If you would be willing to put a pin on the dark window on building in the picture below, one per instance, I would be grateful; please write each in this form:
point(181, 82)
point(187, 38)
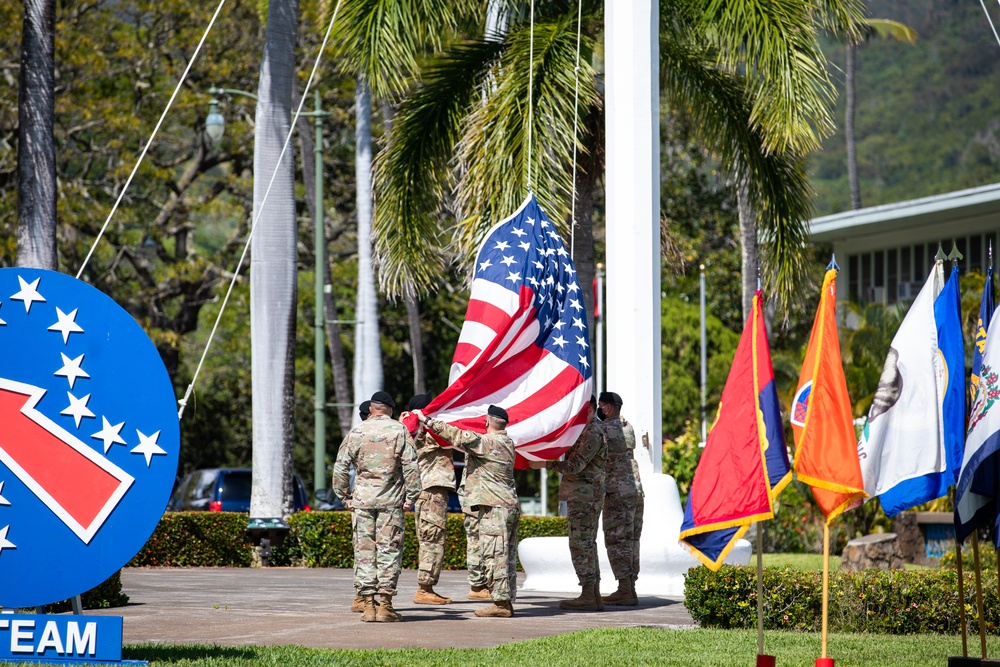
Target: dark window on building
point(866, 275)
point(963, 248)
point(976, 253)
point(919, 272)
point(905, 273)
point(879, 277)
point(852, 272)
point(893, 277)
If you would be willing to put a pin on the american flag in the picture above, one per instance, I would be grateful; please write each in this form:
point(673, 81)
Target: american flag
point(525, 344)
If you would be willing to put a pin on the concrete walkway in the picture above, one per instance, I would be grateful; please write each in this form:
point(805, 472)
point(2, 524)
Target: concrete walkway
point(311, 607)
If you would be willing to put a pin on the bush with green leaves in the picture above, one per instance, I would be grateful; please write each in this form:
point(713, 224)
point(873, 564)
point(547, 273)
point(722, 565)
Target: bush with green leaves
point(103, 596)
point(315, 539)
point(895, 602)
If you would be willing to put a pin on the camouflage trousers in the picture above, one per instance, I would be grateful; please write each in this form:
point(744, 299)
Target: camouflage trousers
point(473, 551)
point(431, 512)
point(498, 540)
point(620, 536)
point(378, 550)
point(640, 506)
point(582, 518)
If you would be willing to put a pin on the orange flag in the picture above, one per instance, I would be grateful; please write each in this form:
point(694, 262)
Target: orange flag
point(826, 452)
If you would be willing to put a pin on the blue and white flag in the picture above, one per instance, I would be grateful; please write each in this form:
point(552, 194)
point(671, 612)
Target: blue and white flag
point(910, 445)
point(975, 494)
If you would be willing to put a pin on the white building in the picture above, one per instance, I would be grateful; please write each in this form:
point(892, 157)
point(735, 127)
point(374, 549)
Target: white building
point(885, 252)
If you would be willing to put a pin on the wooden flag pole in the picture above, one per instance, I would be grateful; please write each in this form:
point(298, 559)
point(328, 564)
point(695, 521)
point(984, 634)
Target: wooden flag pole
point(961, 599)
point(826, 582)
point(979, 592)
point(760, 589)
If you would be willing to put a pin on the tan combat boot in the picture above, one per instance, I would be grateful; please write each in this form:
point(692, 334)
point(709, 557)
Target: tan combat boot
point(479, 593)
point(386, 614)
point(587, 601)
point(369, 613)
point(501, 609)
point(426, 595)
point(624, 596)
point(358, 605)
point(597, 594)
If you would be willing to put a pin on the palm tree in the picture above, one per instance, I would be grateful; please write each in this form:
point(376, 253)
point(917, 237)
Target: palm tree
point(36, 163)
point(751, 76)
point(273, 280)
point(885, 29)
point(379, 42)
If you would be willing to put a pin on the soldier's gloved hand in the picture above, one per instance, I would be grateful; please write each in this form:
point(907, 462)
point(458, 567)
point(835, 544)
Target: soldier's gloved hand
point(538, 465)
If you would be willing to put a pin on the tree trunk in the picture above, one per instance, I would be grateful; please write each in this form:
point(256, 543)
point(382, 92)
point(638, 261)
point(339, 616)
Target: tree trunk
point(273, 286)
point(367, 344)
point(338, 364)
point(416, 343)
point(36, 163)
point(748, 246)
point(852, 149)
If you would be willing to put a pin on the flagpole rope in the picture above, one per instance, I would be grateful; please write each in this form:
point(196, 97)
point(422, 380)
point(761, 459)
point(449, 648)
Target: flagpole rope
point(149, 142)
point(992, 27)
point(531, 82)
point(576, 123)
point(236, 274)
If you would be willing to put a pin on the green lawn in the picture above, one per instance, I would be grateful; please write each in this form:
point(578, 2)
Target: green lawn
point(629, 646)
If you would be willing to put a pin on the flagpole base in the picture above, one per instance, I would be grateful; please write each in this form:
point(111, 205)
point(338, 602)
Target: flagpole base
point(765, 660)
point(959, 661)
point(824, 662)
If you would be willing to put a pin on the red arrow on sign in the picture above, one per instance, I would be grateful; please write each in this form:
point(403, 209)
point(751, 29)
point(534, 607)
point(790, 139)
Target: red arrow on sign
point(78, 484)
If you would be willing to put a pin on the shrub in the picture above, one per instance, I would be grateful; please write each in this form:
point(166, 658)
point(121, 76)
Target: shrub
point(875, 601)
point(315, 539)
point(103, 596)
point(198, 539)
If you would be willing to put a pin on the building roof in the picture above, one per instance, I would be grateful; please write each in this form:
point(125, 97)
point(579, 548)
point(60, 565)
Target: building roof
point(970, 205)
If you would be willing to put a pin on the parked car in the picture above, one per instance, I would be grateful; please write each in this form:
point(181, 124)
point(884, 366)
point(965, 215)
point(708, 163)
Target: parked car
point(224, 490)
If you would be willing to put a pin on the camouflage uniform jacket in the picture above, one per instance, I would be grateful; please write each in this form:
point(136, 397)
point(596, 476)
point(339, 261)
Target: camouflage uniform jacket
point(385, 465)
point(630, 437)
point(584, 467)
point(621, 444)
point(435, 463)
point(489, 467)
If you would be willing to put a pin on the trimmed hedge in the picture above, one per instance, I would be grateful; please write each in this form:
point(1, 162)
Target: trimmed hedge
point(198, 539)
point(895, 602)
point(315, 539)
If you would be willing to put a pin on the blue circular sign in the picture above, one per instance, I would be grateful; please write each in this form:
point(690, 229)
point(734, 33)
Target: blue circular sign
point(89, 437)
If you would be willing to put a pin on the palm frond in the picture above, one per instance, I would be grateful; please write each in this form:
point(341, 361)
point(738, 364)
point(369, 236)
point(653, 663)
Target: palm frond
point(411, 172)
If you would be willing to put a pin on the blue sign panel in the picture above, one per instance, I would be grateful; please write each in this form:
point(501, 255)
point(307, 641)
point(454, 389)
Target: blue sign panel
point(60, 638)
point(89, 437)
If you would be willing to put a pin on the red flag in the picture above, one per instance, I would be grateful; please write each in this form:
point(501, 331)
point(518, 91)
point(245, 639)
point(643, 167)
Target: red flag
point(826, 454)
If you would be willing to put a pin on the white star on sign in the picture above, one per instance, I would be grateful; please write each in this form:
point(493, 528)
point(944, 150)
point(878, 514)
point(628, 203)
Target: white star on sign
point(77, 408)
point(71, 369)
point(581, 342)
point(4, 542)
point(560, 341)
point(485, 265)
point(507, 260)
point(583, 362)
point(66, 324)
point(513, 276)
point(147, 446)
point(3, 501)
point(501, 245)
point(109, 434)
point(1, 321)
point(578, 323)
point(519, 232)
point(28, 294)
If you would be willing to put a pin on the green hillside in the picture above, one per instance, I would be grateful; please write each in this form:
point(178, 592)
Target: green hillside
point(928, 115)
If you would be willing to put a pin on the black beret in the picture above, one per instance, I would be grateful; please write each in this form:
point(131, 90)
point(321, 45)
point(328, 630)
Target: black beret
point(419, 401)
point(384, 398)
point(497, 411)
point(364, 409)
point(610, 397)
point(593, 402)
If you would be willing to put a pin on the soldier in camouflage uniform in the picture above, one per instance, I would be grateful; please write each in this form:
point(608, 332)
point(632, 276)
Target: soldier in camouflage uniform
point(386, 484)
point(582, 487)
point(473, 552)
point(620, 499)
point(437, 479)
point(358, 605)
point(489, 475)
